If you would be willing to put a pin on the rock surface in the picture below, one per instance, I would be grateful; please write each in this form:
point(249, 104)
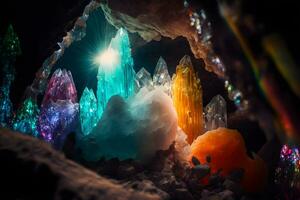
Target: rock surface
point(155, 19)
point(33, 170)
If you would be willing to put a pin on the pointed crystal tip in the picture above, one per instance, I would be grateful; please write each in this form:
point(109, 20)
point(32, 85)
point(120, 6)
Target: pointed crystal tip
point(143, 78)
point(216, 113)
point(186, 61)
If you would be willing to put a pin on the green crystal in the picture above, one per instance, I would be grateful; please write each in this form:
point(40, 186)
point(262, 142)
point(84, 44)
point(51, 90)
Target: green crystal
point(10, 48)
point(88, 111)
point(11, 43)
point(26, 118)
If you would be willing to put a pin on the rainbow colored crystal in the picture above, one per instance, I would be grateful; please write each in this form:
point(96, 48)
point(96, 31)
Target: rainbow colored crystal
point(10, 48)
point(116, 77)
point(59, 110)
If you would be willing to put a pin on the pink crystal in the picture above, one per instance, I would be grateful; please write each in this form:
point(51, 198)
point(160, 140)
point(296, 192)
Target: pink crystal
point(60, 87)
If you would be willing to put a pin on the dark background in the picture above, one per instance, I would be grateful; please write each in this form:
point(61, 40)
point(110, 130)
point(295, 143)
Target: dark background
point(40, 24)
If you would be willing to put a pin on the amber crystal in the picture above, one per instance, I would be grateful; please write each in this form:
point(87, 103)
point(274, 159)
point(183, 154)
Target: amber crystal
point(187, 99)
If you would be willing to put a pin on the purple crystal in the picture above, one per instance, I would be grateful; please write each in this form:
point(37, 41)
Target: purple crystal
point(59, 110)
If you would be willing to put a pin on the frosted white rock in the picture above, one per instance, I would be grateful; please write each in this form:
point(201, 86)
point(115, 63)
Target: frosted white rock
point(135, 129)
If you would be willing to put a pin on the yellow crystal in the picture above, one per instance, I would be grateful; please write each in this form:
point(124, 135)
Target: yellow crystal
point(187, 99)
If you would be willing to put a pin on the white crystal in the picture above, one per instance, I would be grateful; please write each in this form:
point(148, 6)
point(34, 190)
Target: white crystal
point(215, 113)
point(143, 79)
point(161, 76)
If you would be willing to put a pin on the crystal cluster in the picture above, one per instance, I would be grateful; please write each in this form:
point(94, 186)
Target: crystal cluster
point(161, 78)
point(59, 108)
point(116, 76)
point(187, 99)
point(26, 117)
point(287, 174)
point(88, 111)
point(10, 48)
point(215, 113)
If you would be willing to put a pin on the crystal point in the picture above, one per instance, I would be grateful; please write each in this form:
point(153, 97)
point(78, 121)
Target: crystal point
point(215, 113)
point(186, 62)
point(161, 76)
point(187, 99)
point(143, 79)
point(116, 77)
point(88, 111)
point(59, 108)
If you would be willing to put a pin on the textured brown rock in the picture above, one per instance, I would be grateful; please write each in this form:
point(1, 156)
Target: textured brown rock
point(154, 19)
point(33, 170)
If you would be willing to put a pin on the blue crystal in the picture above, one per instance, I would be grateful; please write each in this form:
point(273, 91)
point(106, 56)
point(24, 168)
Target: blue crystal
point(26, 118)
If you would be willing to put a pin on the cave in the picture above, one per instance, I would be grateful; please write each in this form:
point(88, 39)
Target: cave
point(136, 99)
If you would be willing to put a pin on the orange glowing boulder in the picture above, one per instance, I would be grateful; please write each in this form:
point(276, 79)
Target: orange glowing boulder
point(227, 151)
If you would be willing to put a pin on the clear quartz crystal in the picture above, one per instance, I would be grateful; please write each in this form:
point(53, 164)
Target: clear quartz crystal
point(143, 79)
point(215, 113)
point(161, 76)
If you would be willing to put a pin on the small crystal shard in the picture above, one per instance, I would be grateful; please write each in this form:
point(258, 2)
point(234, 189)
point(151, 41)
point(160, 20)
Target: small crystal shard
point(26, 118)
point(59, 108)
point(215, 113)
point(143, 79)
point(88, 111)
point(187, 99)
point(161, 76)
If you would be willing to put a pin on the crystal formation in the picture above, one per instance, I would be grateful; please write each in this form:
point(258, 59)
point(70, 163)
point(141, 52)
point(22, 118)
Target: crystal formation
point(59, 108)
point(116, 77)
point(88, 111)
point(10, 48)
point(215, 113)
point(26, 118)
point(143, 79)
point(161, 77)
point(187, 99)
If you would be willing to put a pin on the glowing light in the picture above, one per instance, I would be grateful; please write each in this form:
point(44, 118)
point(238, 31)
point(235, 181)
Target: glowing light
point(110, 58)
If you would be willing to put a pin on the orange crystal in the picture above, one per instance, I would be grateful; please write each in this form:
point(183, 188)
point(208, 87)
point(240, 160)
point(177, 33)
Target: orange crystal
point(187, 99)
point(227, 150)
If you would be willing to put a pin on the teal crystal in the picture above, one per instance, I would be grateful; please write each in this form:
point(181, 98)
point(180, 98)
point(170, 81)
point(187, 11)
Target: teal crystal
point(88, 111)
point(25, 120)
point(115, 74)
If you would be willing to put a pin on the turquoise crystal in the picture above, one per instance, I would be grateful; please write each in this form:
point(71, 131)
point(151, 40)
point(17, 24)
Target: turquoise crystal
point(25, 120)
point(116, 77)
point(88, 111)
